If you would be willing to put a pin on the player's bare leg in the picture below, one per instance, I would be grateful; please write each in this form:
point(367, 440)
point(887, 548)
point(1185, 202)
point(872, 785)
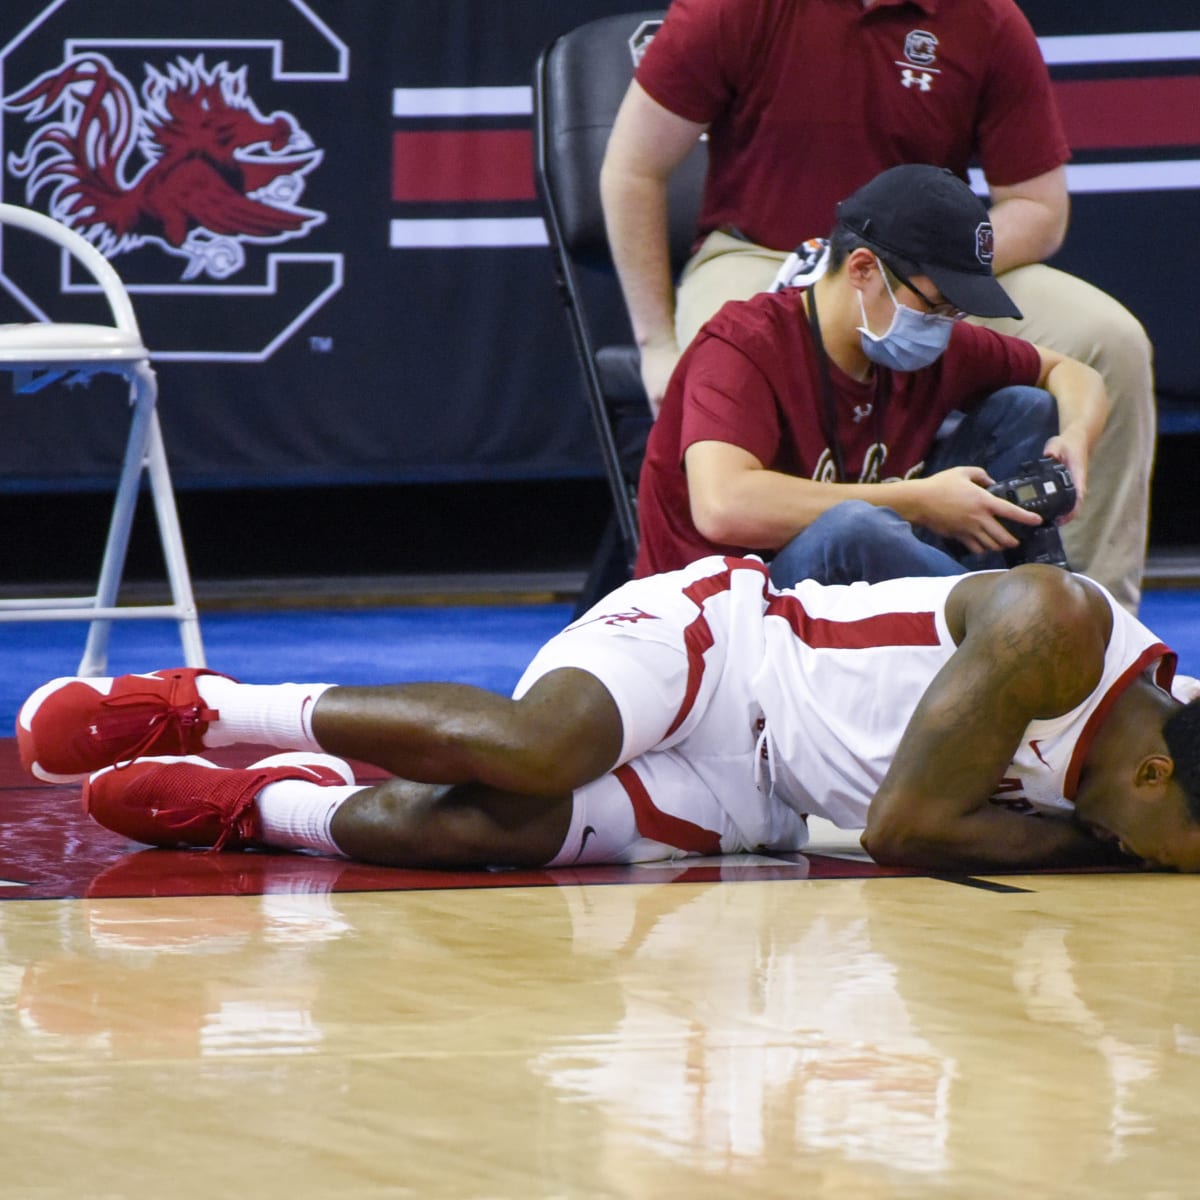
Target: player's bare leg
point(511, 767)
point(405, 824)
point(485, 780)
point(564, 732)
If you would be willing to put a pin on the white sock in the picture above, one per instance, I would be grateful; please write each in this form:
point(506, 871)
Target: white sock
point(296, 814)
point(274, 714)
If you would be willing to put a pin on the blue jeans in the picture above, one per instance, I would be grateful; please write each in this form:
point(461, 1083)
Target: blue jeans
point(855, 540)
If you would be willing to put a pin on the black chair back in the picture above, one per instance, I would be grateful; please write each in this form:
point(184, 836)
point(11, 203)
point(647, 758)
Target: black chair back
point(579, 82)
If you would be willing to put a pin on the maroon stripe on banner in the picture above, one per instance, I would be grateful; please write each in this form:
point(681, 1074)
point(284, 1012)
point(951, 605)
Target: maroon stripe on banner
point(659, 826)
point(1112, 113)
point(883, 629)
point(463, 164)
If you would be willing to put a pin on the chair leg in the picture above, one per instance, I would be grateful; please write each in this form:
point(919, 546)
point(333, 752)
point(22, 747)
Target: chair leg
point(95, 652)
point(144, 451)
point(171, 539)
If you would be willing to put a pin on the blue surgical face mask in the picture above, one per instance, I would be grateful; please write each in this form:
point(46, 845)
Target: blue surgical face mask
point(913, 340)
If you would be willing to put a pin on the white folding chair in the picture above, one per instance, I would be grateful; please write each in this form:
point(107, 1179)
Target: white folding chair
point(39, 354)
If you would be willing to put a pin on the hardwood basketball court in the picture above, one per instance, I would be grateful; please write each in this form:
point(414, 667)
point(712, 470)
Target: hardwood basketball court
point(194, 1025)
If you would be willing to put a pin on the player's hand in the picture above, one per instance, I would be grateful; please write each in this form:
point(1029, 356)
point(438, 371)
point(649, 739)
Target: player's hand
point(658, 362)
point(1074, 457)
point(957, 504)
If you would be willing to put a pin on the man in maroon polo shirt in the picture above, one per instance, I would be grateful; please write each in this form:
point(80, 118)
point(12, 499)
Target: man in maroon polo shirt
point(802, 102)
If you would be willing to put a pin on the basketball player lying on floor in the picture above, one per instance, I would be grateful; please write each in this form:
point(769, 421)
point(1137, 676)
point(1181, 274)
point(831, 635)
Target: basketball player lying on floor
point(1012, 718)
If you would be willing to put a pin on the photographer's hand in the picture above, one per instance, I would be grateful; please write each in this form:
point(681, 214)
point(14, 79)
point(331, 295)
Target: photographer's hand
point(955, 503)
point(1082, 411)
point(1072, 452)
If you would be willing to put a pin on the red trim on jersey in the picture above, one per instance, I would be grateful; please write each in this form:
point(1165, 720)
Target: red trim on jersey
point(1164, 673)
point(882, 629)
point(659, 826)
point(1101, 711)
point(698, 636)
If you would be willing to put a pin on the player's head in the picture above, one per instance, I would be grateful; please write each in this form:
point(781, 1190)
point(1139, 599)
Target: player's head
point(1181, 732)
point(1151, 802)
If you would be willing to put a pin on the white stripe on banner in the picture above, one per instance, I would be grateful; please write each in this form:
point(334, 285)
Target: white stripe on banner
point(1134, 177)
point(472, 231)
point(1180, 45)
point(462, 102)
point(1120, 177)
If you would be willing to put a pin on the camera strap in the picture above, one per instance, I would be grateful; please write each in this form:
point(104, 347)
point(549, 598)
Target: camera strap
point(829, 417)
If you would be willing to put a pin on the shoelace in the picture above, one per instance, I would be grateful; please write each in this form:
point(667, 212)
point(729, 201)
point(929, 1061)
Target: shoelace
point(231, 819)
point(231, 816)
point(114, 726)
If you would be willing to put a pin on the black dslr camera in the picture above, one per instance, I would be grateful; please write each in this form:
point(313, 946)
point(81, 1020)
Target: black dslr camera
point(1044, 487)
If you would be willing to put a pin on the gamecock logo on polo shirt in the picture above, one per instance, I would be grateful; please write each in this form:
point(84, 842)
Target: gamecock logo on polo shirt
point(920, 48)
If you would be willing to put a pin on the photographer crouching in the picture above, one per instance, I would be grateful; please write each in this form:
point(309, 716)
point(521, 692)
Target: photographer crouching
point(807, 424)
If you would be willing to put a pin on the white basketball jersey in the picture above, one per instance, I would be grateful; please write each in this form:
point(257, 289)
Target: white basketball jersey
point(845, 666)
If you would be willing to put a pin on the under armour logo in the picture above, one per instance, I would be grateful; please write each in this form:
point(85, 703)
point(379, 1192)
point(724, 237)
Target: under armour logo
point(862, 412)
point(922, 80)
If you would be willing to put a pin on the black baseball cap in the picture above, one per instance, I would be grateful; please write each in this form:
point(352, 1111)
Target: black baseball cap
point(931, 218)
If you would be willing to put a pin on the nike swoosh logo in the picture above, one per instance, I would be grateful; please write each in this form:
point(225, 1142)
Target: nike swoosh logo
point(588, 830)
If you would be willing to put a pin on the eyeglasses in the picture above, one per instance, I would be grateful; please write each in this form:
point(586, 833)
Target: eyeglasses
point(942, 309)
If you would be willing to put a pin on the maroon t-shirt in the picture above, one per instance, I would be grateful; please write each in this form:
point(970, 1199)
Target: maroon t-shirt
point(806, 100)
point(752, 378)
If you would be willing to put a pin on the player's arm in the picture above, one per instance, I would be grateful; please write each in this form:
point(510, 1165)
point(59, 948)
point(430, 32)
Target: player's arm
point(1032, 646)
point(1083, 408)
point(647, 143)
point(736, 501)
point(1030, 219)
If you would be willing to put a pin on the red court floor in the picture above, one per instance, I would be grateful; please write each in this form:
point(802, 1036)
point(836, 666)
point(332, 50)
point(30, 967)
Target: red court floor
point(50, 850)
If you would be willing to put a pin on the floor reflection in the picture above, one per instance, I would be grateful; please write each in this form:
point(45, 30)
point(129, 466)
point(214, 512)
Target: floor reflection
point(906, 1036)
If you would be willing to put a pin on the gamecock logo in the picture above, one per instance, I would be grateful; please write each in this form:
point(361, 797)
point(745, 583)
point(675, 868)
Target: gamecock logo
point(193, 167)
point(985, 243)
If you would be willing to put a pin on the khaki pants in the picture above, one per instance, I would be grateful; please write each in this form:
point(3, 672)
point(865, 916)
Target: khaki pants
point(1108, 540)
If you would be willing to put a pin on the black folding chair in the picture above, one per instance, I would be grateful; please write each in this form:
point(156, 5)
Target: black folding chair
point(579, 82)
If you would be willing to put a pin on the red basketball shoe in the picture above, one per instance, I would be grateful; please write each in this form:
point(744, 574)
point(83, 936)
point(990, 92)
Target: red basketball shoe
point(71, 727)
point(193, 802)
